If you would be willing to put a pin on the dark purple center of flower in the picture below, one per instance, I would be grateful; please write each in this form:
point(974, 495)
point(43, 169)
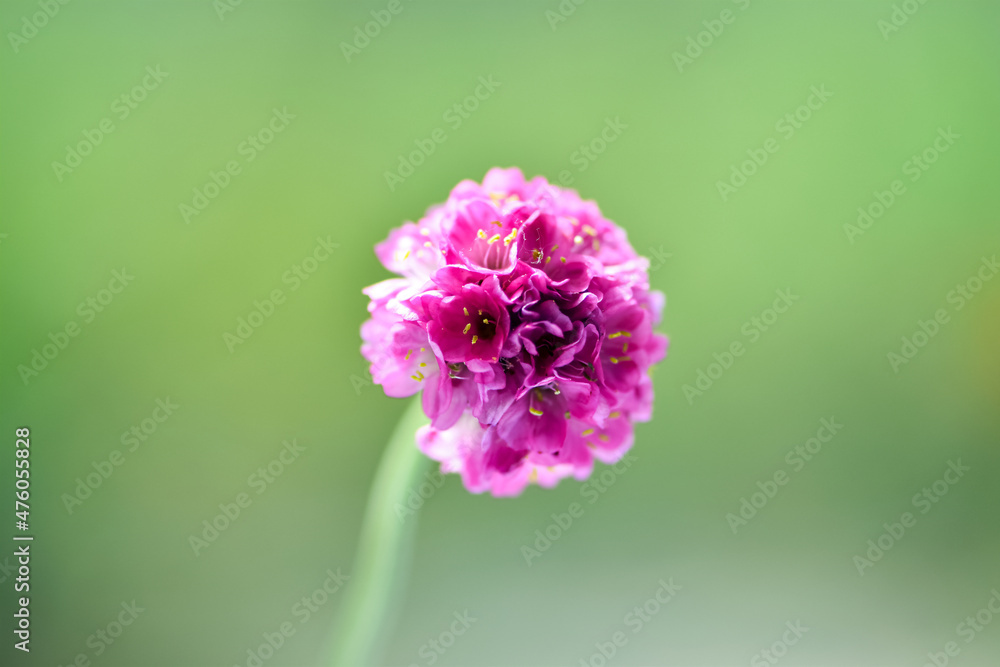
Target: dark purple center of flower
point(479, 325)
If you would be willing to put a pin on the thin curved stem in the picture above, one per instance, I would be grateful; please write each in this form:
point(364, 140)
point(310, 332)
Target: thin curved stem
point(385, 548)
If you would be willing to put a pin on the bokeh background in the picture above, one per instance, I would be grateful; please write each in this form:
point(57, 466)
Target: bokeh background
point(300, 375)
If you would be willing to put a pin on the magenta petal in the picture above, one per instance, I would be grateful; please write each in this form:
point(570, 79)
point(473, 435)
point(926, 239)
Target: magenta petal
point(535, 422)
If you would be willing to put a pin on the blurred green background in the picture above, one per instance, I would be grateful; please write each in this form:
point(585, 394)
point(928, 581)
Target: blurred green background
point(63, 232)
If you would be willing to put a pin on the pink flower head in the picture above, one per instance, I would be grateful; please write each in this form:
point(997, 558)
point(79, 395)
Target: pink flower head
point(527, 320)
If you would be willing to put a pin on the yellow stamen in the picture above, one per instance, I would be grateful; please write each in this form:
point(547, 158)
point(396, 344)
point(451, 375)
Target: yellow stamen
point(603, 438)
point(465, 310)
point(587, 229)
point(474, 339)
point(615, 360)
point(408, 352)
point(494, 239)
point(481, 233)
point(614, 414)
point(620, 333)
point(425, 232)
point(562, 259)
point(510, 237)
point(467, 327)
point(536, 412)
point(567, 414)
point(625, 346)
point(536, 256)
point(577, 239)
point(497, 223)
point(548, 259)
point(555, 247)
point(587, 432)
point(485, 321)
point(418, 377)
point(423, 365)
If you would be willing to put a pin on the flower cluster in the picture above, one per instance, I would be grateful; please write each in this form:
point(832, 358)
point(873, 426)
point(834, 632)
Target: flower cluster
point(526, 318)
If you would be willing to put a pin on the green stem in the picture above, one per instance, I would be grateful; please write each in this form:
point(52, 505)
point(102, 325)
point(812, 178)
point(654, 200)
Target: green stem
point(385, 547)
